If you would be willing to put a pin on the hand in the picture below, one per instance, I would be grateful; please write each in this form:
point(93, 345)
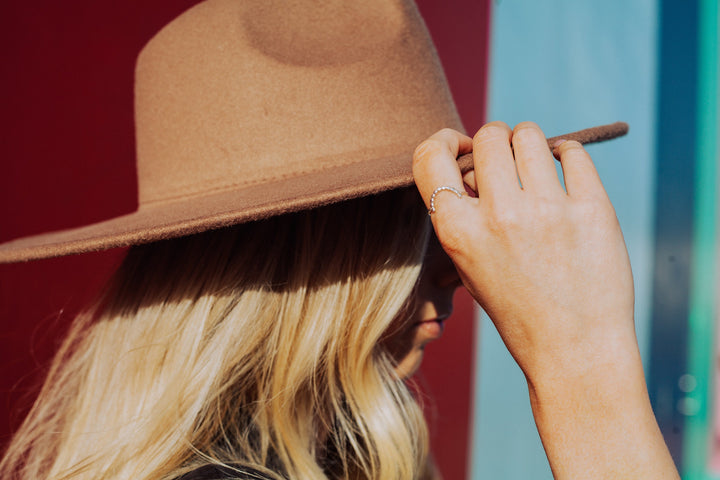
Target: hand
point(550, 268)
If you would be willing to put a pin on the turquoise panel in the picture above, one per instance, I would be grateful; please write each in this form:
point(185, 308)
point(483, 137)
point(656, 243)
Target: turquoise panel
point(700, 405)
point(569, 65)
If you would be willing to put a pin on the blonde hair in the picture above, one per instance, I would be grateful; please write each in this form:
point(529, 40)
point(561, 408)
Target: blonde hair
point(259, 345)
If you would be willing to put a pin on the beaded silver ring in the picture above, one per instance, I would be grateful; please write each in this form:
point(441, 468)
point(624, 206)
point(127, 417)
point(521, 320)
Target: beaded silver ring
point(438, 190)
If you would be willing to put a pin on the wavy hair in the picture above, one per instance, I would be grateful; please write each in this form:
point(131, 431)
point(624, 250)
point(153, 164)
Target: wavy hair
point(259, 345)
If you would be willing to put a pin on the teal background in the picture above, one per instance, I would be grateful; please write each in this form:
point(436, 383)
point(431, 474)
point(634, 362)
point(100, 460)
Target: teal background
point(568, 65)
point(655, 64)
point(702, 338)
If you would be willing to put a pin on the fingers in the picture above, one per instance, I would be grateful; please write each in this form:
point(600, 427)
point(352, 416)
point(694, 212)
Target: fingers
point(435, 163)
point(498, 165)
point(581, 177)
point(495, 173)
point(535, 164)
point(469, 180)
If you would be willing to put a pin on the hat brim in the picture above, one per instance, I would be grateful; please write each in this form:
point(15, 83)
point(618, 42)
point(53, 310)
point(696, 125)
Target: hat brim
point(198, 214)
point(190, 215)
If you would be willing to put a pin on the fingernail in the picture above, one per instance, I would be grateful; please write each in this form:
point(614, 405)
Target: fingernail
point(558, 142)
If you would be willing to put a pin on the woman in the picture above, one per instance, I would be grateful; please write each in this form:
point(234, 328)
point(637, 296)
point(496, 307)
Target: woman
point(284, 282)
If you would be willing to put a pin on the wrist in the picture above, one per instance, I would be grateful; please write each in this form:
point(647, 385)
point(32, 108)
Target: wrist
point(603, 357)
point(596, 416)
point(604, 383)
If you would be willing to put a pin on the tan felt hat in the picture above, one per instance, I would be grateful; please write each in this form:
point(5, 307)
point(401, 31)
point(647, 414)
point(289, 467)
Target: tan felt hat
point(254, 108)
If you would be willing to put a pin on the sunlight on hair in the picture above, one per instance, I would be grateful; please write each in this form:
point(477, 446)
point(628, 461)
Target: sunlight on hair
point(257, 345)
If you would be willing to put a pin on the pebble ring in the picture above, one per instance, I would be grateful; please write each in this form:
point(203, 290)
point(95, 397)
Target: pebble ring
point(438, 190)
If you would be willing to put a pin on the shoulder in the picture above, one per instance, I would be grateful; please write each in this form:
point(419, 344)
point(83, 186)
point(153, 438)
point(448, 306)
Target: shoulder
point(221, 472)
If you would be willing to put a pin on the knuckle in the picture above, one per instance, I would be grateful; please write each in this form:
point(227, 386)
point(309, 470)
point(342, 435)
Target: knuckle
point(527, 131)
point(427, 149)
point(548, 211)
point(492, 131)
point(526, 125)
point(570, 146)
point(503, 220)
point(542, 214)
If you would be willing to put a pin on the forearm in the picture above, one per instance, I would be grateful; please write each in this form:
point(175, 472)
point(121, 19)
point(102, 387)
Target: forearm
point(596, 422)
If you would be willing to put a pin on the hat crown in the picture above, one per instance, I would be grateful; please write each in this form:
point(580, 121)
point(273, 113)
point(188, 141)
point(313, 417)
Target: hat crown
point(246, 109)
point(233, 94)
point(321, 32)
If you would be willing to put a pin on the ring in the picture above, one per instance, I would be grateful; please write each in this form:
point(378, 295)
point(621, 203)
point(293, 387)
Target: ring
point(438, 190)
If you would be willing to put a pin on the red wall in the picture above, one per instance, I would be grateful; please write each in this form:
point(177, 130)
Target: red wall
point(460, 29)
point(66, 133)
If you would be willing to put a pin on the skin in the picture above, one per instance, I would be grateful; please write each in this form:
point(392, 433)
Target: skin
point(431, 305)
point(551, 269)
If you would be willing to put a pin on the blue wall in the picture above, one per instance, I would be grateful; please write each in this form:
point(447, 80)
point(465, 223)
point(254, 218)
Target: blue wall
point(569, 65)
